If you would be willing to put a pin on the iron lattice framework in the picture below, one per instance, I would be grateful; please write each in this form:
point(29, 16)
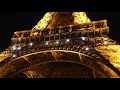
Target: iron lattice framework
point(62, 44)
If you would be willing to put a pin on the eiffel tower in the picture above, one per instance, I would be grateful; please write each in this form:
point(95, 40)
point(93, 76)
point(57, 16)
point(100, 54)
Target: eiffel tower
point(62, 45)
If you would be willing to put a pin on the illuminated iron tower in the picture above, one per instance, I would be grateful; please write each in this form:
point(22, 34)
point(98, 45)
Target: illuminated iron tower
point(62, 45)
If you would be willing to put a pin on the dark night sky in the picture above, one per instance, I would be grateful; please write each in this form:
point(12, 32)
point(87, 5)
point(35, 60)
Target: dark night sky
point(15, 21)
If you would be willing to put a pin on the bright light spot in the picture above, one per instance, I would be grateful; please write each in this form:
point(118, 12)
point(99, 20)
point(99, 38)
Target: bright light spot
point(19, 48)
point(83, 38)
point(76, 13)
point(68, 40)
point(46, 43)
point(31, 43)
point(86, 48)
point(14, 47)
point(35, 33)
point(57, 42)
point(14, 56)
point(105, 42)
point(79, 18)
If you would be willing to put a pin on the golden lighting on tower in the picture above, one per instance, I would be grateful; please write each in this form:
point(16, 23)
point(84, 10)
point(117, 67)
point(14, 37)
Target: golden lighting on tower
point(44, 21)
point(79, 17)
point(112, 53)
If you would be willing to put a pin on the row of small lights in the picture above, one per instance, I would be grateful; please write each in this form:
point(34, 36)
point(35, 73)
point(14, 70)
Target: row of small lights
point(57, 42)
point(31, 43)
point(15, 48)
point(67, 40)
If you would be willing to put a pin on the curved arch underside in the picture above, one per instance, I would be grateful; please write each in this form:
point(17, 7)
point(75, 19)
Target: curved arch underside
point(20, 75)
point(63, 70)
point(57, 63)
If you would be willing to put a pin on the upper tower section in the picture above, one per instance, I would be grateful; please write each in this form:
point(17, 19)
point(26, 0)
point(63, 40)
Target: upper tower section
point(63, 22)
point(54, 19)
